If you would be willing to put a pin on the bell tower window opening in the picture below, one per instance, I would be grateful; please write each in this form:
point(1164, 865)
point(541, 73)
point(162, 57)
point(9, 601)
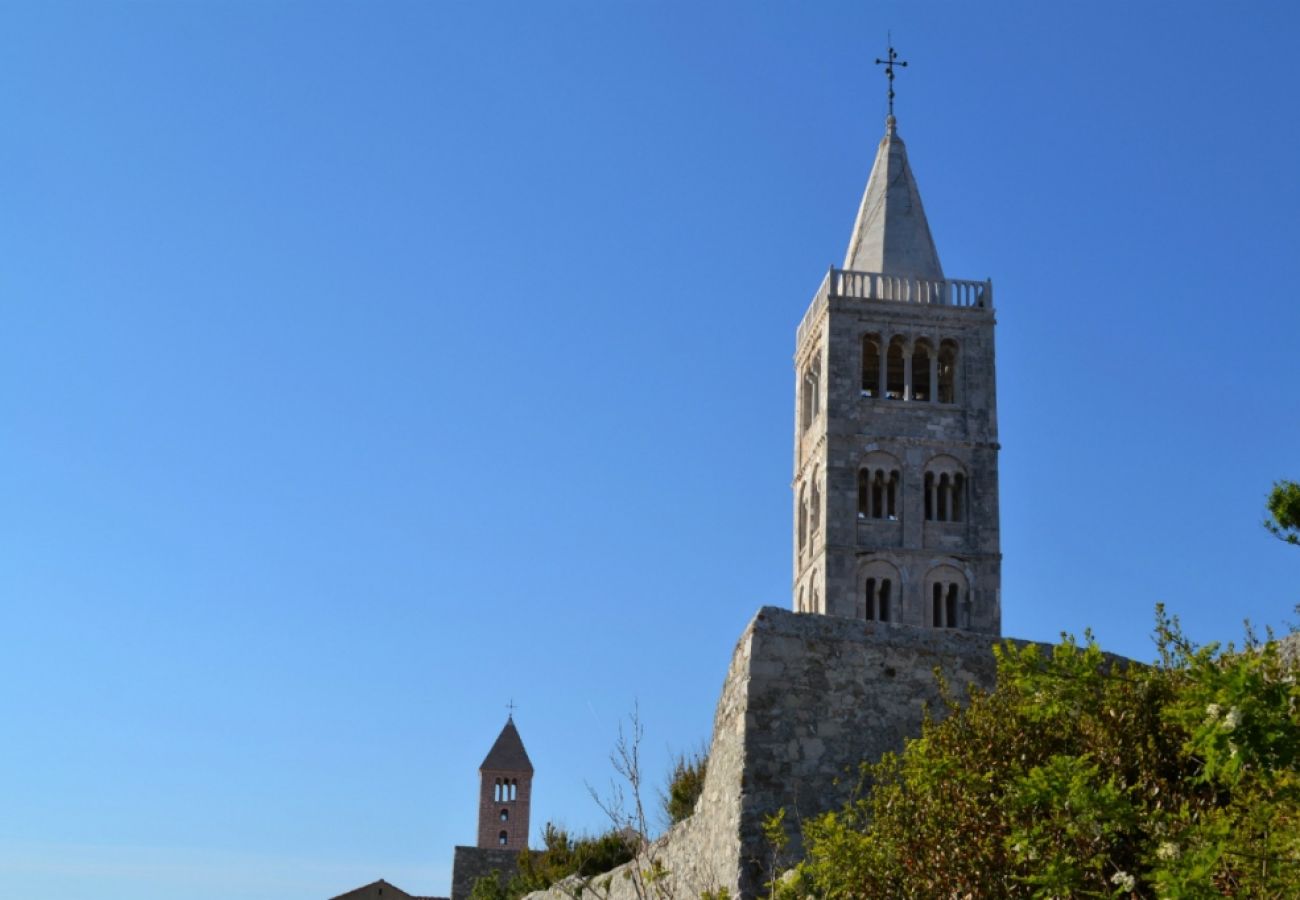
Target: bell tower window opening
point(895, 374)
point(505, 815)
point(502, 838)
point(947, 591)
point(877, 580)
point(878, 494)
point(810, 401)
point(815, 507)
point(945, 491)
point(803, 518)
point(948, 372)
point(922, 359)
point(871, 365)
point(877, 599)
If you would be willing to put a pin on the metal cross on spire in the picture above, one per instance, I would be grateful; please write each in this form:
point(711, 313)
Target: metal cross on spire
point(511, 706)
point(889, 64)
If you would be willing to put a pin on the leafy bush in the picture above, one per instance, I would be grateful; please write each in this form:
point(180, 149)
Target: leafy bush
point(685, 783)
point(1079, 777)
point(561, 856)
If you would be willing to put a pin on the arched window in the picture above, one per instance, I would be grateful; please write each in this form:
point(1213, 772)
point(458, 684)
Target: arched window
point(945, 490)
point(880, 488)
point(802, 513)
point(514, 788)
point(496, 790)
point(947, 372)
point(810, 400)
point(895, 380)
point(922, 378)
point(799, 604)
point(947, 591)
point(871, 365)
point(502, 838)
point(505, 815)
point(877, 599)
point(815, 505)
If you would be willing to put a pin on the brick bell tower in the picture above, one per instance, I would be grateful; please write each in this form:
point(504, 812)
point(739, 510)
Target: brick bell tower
point(896, 444)
point(506, 784)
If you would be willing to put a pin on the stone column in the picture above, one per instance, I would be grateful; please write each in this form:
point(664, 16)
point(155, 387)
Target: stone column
point(907, 370)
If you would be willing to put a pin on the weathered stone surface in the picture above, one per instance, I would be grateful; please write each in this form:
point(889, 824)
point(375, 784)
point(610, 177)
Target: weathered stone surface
point(895, 375)
point(469, 864)
point(806, 700)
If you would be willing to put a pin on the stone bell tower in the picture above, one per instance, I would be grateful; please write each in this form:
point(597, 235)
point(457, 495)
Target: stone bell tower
point(505, 789)
point(896, 443)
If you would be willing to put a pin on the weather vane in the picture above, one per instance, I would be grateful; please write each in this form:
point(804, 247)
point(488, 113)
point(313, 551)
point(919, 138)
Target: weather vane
point(889, 71)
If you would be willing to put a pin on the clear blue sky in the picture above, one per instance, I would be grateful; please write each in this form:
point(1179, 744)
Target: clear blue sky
point(366, 365)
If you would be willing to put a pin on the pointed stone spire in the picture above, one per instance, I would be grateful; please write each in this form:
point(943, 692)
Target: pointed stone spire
point(891, 234)
point(508, 753)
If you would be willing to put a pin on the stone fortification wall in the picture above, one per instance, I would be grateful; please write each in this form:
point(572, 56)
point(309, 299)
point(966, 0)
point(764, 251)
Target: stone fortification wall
point(469, 864)
point(806, 699)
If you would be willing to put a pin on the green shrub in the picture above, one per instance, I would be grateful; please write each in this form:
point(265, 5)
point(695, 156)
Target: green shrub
point(1078, 777)
point(561, 855)
point(685, 783)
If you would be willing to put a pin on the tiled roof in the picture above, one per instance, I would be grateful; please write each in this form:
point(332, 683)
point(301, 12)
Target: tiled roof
point(508, 753)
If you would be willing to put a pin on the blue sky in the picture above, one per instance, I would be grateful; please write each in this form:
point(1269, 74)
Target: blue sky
point(366, 366)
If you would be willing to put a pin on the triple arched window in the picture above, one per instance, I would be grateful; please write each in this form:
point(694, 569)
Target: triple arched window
point(505, 789)
point(880, 492)
point(945, 490)
point(899, 369)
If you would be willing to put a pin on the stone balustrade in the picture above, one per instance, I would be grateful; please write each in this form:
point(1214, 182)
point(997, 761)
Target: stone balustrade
point(896, 288)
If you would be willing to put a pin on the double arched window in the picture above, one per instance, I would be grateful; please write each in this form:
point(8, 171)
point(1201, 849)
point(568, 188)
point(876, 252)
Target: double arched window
point(946, 591)
point(878, 597)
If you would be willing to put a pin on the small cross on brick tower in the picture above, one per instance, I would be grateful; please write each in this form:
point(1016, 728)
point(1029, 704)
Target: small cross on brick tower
point(506, 786)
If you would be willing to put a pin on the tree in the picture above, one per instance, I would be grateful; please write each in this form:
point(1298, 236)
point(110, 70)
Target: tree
point(1284, 511)
point(1082, 776)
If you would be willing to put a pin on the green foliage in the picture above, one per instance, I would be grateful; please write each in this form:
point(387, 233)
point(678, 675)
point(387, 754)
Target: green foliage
point(685, 784)
point(561, 856)
point(1284, 511)
point(1078, 777)
point(489, 887)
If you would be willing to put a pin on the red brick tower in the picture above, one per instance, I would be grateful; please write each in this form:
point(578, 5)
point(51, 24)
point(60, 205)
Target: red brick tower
point(503, 800)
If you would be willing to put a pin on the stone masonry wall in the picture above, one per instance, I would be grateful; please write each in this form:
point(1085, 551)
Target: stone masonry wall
point(806, 699)
point(469, 864)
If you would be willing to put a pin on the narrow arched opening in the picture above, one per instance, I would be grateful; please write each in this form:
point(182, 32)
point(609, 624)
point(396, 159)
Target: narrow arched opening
point(922, 357)
point(947, 372)
point(871, 365)
point(895, 370)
